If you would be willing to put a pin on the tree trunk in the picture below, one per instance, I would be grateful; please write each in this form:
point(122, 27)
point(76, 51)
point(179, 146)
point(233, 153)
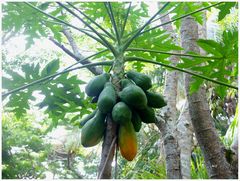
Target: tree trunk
point(185, 140)
point(108, 147)
point(169, 115)
point(201, 119)
point(184, 125)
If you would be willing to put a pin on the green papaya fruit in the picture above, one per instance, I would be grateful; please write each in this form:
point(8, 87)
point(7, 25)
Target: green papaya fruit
point(92, 132)
point(125, 82)
point(96, 85)
point(147, 115)
point(107, 98)
point(127, 141)
point(136, 121)
point(155, 100)
point(140, 79)
point(86, 118)
point(121, 113)
point(134, 96)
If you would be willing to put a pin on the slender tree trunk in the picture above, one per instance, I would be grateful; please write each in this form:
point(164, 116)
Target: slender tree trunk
point(108, 147)
point(169, 115)
point(185, 140)
point(184, 125)
point(201, 119)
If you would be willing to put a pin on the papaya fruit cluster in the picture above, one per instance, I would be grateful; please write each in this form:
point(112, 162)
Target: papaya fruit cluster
point(130, 107)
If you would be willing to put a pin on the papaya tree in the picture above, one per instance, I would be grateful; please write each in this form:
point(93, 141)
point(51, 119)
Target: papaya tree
point(125, 35)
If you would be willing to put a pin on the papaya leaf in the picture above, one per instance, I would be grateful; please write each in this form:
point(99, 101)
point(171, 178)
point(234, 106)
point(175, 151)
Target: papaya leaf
point(61, 95)
point(50, 68)
point(211, 47)
point(222, 69)
point(225, 9)
point(155, 39)
point(183, 7)
point(20, 18)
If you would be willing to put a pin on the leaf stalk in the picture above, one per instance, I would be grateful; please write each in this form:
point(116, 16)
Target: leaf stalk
point(127, 59)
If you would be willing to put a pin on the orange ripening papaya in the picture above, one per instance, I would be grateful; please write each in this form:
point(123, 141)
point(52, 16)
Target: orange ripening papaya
point(127, 141)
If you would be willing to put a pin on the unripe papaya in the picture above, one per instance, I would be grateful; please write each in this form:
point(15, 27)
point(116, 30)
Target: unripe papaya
point(127, 141)
point(107, 99)
point(92, 132)
point(133, 96)
point(140, 79)
point(96, 85)
point(86, 118)
point(136, 121)
point(121, 113)
point(155, 100)
point(147, 115)
point(125, 82)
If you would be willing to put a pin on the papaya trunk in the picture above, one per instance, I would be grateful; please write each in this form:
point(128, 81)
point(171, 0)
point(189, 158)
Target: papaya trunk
point(105, 168)
point(201, 119)
point(108, 147)
point(169, 113)
point(185, 140)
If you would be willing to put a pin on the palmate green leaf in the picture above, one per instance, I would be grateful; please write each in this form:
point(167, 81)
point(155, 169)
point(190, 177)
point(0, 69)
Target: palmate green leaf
point(20, 18)
point(61, 95)
point(156, 40)
point(97, 11)
point(211, 47)
point(19, 102)
point(223, 69)
point(182, 8)
point(225, 9)
point(50, 68)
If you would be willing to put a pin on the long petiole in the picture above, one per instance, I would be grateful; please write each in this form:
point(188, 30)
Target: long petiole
point(181, 17)
point(99, 26)
point(140, 29)
point(109, 63)
point(181, 70)
point(126, 18)
point(65, 23)
point(82, 29)
point(114, 23)
point(102, 38)
point(168, 53)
